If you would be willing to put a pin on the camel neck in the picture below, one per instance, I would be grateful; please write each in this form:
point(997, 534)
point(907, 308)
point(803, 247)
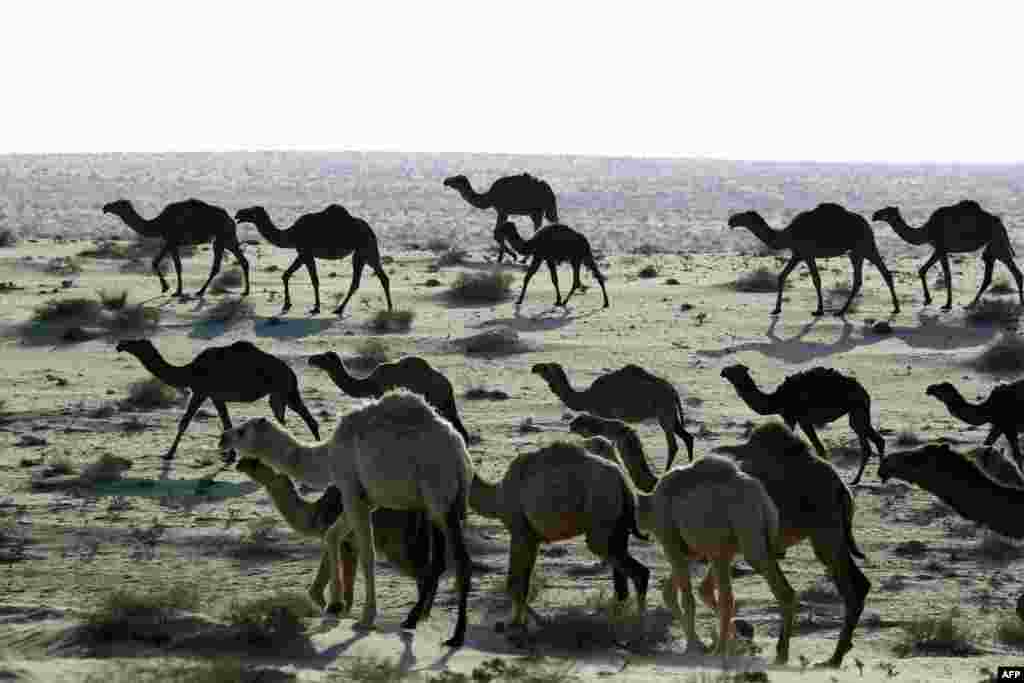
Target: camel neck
point(758, 401)
point(962, 410)
point(516, 241)
point(574, 400)
point(775, 239)
point(301, 462)
point(477, 200)
point(906, 232)
point(632, 454)
point(266, 228)
point(485, 498)
point(137, 223)
point(645, 511)
point(976, 497)
point(354, 386)
point(177, 376)
point(298, 514)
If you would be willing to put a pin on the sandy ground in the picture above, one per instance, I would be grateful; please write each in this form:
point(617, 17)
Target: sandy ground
point(79, 544)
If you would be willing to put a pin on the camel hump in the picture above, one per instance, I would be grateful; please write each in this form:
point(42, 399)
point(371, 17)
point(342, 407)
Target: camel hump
point(714, 469)
point(817, 378)
point(968, 206)
point(336, 212)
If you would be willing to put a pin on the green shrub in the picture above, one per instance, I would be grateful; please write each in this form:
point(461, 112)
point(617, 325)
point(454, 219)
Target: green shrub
point(274, 618)
point(486, 287)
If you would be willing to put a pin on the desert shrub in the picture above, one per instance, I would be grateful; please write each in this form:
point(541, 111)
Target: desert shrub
point(149, 394)
point(500, 339)
point(63, 265)
point(192, 670)
point(8, 238)
point(496, 670)
point(64, 310)
point(994, 312)
point(487, 287)
point(485, 394)
point(646, 249)
point(276, 617)
point(124, 612)
point(226, 281)
point(369, 354)
point(1001, 286)
point(113, 301)
point(135, 318)
point(647, 272)
point(1011, 630)
point(392, 321)
point(370, 670)
point(760, 280)
point(948, 635)
point(451, 257)
point(908, 438)
point(1003, 356)
point(439, 244)
point(228, 311)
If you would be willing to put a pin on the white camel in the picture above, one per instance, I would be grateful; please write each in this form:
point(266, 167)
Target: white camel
point(394, 452)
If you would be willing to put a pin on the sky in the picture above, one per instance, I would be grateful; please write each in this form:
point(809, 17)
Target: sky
point(897, 80)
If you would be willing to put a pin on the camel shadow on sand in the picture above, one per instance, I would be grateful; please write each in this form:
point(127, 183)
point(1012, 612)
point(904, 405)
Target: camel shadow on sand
point(291, 328)
point(207, 489)
point(552, 318)
point(931, 332)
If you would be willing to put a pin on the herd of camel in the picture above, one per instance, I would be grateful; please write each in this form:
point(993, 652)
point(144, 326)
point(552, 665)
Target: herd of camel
point(399, 478)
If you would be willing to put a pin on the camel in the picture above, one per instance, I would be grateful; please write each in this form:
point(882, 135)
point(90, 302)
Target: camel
point(402, 537)
point(411, 372)
point(554, 244)
point(823, 232)
point(181, 223)
point(514, 195)
point(1001, 409)
point(332, 234)
point(958, 228)
point(961, 484)
point(556, 493)
point(239, 373)
point(820, 509)
point(630, 394)
point(393, 452)
point(813, 397)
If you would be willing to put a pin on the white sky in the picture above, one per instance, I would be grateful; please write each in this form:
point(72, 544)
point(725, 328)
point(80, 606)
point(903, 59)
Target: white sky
point(896, 80)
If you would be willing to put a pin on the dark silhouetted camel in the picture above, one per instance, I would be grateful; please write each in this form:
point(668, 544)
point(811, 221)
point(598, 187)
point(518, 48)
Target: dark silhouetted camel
point(1002, 409)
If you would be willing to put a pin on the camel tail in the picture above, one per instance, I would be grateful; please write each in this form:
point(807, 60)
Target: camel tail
point(848, 524)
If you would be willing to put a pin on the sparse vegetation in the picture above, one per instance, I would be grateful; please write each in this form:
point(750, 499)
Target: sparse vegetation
point(59, 466)
point(228, 311)
point(487, 287)
point(113, 301)
point(1004, 356)
point(948, 635)
point(8, 238)
point(385, 321)
point(451, 257)
point(1002, 312)
point(485, 394)
point(1010, 630)
point(532, 670)
point(63, 265)
point(149, 394)
point(760, 280)
point(500, 339)
point(647, 272)
point(193, 670)
point(226, 281)
point(130, 613)
point(370, 670)
point(369, 354)
point(82, 318)
point(907, 438)
point(66, 310)
point(273, 618)
point(1001, 286)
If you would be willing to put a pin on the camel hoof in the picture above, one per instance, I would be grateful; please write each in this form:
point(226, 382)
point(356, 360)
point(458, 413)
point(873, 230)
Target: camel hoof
point(314, 311)
point(167, 456)
point(828, 664)
point(362, 626)
point(229, 457)
point(777, 311)
point(453, 642)
point(818, 313)
point(334, 609)
point(410, 623)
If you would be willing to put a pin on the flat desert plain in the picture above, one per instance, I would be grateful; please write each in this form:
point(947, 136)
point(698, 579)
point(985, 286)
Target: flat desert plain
point(206, 531)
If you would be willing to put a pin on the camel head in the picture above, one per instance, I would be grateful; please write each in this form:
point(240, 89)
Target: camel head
point(253, 214)
point(118, 207)
point(245, 437)
point(457, 182)
point(552, 373)
point(326, 361)
point(506, 231)
point(745, 219)
point(944, 391)
point(889, 214)
point(737, 374)
point(135, 346)
point(917, 465)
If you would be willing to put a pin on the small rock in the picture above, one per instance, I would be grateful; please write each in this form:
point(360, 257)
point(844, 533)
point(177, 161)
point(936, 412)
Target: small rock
point(744, 629)
point(432, 282)
point(67, 284)
point(31, 440)
point(672, 281)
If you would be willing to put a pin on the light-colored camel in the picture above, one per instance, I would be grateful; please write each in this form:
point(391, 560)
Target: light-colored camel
point(411, 372)
point(1002, 409)
point(556, 493)
point(708, 510)
point(404, 538)
point(959, 228)
point(630, 394)
point(827, 230)
point(961, 484)
point(394, 452)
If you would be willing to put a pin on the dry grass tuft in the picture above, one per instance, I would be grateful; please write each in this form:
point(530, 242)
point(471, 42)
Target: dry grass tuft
point(487, 287)
point(228, 311)
point(63, 265)
point(760, 280)
point(126, 613)
point(385, 321)
point(226, 281)
point(948, 635)
point(369, 354)
point(8, 238)
point(149, 394)
point(1004, 356)
point(990, 312)
point(274, 618)
point(647, 272)
point(1002, 286)
point(451, 257)
point(65, 319)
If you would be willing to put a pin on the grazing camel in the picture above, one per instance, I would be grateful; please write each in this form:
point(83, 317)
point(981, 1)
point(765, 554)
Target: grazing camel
point(554, 244)
point(182, 223)
point(402, 537)
point(813, 397)
point(239, 373)
point(395, 452)
point(556, 493)
point(823, 232)
point(820, 509)
point(411, 372)
point(514, 195)
point(630, 394)
point(707, 510)
point(1002, 409)
point(961, 484)
point(958, 228)
point(332, 234)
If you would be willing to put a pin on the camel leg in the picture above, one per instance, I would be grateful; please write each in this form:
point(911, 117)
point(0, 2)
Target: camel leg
point(294, 401)
point(225, 421)
point(832, 551)
point(285, 277)
point(156, 267)
point(357, 518)
point(707, 590)
point(522, 559)
point(592, 266)
point(427, 587)
point(453, 536)
point(986, 279)
point(502, 217)
point(944, 262)
point(812, 266)
point(236, 250)
point(530, 271)
point(614, 547)
point(668, 425)
point(218, 256)
point(793, 261)
point(858, 280)
point(922, 272)
point(860, 422)
point(385, 283)
point(675, 550)
point(347, 568)
point(575, 281)
point(680, 430)
point(722, 569)
point(176, 260)
point(310, 264)
point(553, 269)
point(1015, 272)
point(876, 260)
point(190, 411)
point(768, 567)
point(357, 274)
point(812, 436)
